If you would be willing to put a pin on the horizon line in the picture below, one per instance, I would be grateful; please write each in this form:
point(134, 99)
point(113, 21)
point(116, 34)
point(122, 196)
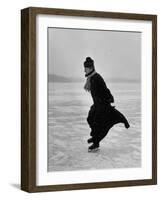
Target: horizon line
point(80, 79)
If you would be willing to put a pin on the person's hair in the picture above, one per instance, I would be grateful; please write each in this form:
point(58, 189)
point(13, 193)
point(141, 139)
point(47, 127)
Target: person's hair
point(89, 63)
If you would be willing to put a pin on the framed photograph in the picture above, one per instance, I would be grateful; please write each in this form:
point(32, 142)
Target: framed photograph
point(88, 99)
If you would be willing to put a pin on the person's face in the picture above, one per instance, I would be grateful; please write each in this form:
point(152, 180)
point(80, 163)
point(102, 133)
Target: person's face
point(87, 70)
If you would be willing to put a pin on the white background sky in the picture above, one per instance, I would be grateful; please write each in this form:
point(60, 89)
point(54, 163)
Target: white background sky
point(116, 54)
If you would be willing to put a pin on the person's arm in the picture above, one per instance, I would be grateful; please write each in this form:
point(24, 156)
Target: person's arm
point(102, 93)
point(95, 89)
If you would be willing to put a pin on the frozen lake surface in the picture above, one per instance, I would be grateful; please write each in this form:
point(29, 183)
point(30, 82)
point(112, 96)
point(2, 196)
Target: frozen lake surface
point(68, 131)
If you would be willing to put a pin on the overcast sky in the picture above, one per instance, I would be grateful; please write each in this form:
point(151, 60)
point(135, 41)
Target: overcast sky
point(116, 54)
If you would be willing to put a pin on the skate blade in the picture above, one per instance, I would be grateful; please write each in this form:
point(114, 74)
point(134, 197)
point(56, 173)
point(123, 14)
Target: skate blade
point(93, 150)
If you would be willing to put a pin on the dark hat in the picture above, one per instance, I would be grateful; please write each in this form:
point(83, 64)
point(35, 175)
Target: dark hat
point(89, 62)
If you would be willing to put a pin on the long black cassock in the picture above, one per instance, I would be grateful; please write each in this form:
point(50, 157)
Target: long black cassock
point(102, 116)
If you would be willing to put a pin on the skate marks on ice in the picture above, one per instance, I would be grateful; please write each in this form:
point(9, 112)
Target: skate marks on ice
point(70, 152)
point(116, 151)
point(68, 132)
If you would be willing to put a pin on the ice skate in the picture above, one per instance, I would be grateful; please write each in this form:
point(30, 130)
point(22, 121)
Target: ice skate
point(93, 148)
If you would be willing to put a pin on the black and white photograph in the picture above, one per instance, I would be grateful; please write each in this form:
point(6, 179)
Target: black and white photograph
point(94, 99)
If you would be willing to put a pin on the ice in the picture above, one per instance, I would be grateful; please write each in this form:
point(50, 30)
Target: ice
point(68, 131)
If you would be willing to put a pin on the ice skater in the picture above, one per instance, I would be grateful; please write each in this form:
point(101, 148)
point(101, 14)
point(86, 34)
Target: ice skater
point(102, 115)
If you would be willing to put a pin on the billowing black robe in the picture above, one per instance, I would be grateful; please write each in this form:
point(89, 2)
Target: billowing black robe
point(102, 116)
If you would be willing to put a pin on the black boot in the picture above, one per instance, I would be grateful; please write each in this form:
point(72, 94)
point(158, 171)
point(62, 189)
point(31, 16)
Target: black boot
point(90, 140)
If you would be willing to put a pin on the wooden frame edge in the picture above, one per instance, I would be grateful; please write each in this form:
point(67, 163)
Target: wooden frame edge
point(154, 99)
point(91, 13)
point(24, 99)
point(94, 185)
point(28, 100)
